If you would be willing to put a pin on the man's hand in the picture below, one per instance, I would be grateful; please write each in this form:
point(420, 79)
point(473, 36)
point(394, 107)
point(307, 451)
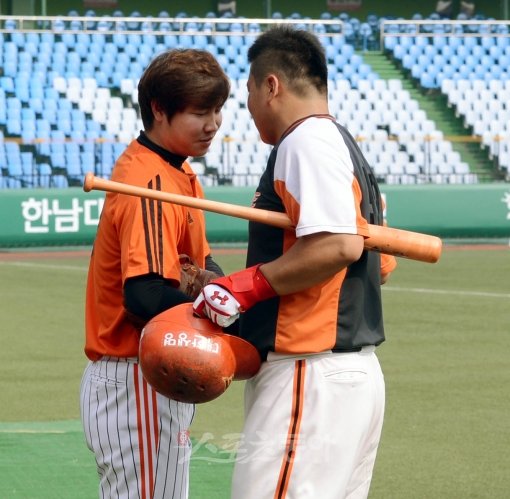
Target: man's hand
point(217, 304)
point(225, 298)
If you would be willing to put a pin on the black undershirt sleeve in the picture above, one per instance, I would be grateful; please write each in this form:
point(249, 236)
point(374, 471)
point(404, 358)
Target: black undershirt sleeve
point(150, 294)
point(211, 265)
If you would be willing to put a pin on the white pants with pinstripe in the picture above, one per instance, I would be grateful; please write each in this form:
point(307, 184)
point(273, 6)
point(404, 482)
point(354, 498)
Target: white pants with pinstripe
point(140, 438)
point(312, 427)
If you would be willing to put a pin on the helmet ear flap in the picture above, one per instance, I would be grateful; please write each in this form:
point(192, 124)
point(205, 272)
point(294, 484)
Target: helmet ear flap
point(190, 359)
point(246, 355)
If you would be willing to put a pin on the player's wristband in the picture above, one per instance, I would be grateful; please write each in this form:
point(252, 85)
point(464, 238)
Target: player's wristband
point(248, 286)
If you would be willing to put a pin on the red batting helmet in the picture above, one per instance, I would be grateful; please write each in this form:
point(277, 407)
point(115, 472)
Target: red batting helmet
point(190, 359)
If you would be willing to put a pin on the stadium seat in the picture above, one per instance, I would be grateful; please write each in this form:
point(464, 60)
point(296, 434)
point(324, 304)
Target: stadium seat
point(59, 181)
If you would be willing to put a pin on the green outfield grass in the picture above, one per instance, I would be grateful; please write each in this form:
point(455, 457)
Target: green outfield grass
point(445, 361)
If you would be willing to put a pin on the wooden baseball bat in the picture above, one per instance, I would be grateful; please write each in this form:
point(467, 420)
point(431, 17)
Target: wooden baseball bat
point(396, 242)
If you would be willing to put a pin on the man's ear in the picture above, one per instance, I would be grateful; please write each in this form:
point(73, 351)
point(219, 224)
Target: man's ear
point(157, 111)
point(273, 85)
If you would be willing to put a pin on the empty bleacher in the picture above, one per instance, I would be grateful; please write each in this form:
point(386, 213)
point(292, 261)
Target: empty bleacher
point(469, 63)
point(68, 100)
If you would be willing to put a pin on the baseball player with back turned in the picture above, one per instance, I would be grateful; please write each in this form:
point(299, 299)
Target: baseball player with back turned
point(140, 438)
point(310, 298)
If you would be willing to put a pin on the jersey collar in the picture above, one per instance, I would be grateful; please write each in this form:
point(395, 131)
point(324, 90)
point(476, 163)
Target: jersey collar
point(298, 122)
point(173, 159)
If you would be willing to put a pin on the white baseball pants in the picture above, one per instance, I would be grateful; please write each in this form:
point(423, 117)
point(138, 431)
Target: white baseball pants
point(312, 427)
point(140, 438)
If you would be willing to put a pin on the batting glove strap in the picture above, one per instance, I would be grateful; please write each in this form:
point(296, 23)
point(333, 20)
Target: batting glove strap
point(248, 286)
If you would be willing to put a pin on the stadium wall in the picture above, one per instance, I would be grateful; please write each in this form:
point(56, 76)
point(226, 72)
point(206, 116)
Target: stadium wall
point(69, 217)
point(245, 8)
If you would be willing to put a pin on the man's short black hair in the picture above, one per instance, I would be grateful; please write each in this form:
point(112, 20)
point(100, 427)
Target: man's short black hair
point(295, 55)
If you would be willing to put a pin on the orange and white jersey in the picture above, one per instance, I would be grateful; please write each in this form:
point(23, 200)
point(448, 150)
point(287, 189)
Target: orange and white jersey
point(138, 236)
point(318, 176)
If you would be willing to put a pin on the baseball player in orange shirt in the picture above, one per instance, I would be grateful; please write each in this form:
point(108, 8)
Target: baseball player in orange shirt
point(140, 438)
point(310, 298)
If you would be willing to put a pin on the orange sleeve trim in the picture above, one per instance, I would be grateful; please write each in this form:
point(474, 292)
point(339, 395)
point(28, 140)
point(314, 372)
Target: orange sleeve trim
point(388, 263)
point(292, 207)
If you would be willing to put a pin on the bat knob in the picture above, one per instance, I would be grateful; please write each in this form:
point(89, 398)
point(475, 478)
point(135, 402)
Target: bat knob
point(88, 183)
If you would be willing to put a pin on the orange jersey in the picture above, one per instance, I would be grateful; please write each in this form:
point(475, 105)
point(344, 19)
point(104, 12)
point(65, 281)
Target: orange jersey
point(137, 236)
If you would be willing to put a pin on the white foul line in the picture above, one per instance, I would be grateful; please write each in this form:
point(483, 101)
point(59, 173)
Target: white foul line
point(485, 294)
point(447, 292)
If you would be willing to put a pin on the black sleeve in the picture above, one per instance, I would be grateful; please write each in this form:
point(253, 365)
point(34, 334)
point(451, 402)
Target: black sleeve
point(148, 295)
point(211, 265)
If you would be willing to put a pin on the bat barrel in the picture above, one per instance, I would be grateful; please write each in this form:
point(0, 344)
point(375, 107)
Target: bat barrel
point(404, 243)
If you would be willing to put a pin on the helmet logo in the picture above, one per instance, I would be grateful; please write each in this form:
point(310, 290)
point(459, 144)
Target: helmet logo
point(195, 340)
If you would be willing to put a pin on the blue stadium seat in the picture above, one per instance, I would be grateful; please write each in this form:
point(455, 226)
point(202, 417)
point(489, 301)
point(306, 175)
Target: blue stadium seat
point(14, 164)
point(200, 41)
point(28, 135)
point(348, 33)
point(13, 126)
point(330, 52)
point(27, 163)
point(28, 114)
point(364, 71)
point(170, 40)
point(44, 172)
point(348, 71)
point(494, 73)
point(7, 83)
point(132, 24)
point(73, 165)
point(446, 73)
point(340, 60)
point(427, 80)
point(47, 37)
point(69, 39)
point(366, 33)
point(408, 61)
point(87, 160)
point(390, 42)
point(59, 181)
point(149, 39)
point(233, 71)
point(236, 41)
point(221, 41)
point(120, 40)
point(10, 68)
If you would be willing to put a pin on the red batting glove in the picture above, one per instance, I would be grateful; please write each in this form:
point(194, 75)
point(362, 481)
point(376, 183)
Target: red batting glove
point(223, 299)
